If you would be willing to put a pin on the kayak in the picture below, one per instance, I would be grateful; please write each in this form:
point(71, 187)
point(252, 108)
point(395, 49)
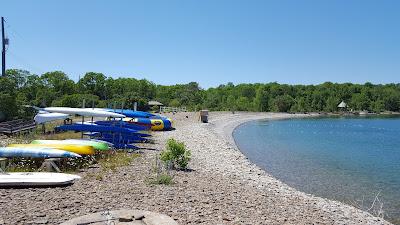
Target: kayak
point(94, 144)
point(156, 124)
point(36, 179)
point(79, 149)
point(82, 112)
point(131, 113)
point(94, 128)
point(123, 124)
point(48, 117)
point(10, 152)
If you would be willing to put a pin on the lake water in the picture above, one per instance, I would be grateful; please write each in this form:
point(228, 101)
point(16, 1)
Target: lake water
point(350, 159)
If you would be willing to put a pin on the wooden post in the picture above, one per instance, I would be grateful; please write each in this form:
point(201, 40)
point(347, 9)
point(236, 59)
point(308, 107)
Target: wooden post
point(3, 162)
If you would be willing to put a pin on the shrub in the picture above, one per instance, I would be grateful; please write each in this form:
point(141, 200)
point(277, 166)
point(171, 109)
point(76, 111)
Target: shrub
point(176, 155)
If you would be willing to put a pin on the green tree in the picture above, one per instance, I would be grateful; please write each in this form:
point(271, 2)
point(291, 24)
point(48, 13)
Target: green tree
point(283, 103)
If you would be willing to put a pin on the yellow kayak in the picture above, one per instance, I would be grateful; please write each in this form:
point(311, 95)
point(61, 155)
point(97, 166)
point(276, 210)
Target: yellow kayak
point(79, 149)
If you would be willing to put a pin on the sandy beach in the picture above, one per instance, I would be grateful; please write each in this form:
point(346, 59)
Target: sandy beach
point(223, 186)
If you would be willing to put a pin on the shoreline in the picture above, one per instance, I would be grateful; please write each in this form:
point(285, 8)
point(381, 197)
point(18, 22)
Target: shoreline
point(222, 187)
point(224, 127)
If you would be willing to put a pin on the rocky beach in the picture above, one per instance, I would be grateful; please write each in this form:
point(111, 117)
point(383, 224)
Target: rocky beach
point(221, 187)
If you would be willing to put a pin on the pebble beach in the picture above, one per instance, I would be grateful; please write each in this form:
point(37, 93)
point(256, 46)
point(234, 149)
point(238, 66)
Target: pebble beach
point(221, 187)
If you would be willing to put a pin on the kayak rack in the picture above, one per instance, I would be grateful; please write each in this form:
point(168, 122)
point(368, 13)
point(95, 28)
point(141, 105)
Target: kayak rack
point(3, 162)
point(50, 165)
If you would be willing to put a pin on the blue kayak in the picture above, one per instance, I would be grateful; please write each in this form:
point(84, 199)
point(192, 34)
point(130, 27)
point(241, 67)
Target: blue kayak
point(122, 124)
point(10, 152)
point(134, 135)
point(122, 139)
point(95, 128)
point(134, 114)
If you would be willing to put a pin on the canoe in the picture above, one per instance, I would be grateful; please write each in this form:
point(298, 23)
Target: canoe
point(79, 149)
point(82, 112)
point(10, 152)
point(36, 179)
point(94, 144)
point(48, 117)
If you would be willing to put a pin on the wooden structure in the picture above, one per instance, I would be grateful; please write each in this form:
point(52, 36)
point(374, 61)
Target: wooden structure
point(17, 126)
point(172, 109)
point(155, 103)
point(3, 164)
point(50, 165)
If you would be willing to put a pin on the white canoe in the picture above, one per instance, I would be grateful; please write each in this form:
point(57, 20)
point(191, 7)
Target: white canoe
point(48, 117)
point(83, 112)
point(36, 179)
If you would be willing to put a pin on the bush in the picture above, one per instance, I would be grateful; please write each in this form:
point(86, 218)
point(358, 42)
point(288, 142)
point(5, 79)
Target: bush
point(176, 155)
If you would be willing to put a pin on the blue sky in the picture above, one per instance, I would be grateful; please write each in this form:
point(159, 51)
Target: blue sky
point(211, 42)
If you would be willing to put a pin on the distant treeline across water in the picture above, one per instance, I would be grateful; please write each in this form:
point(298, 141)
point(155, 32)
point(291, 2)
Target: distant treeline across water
point(20, 88)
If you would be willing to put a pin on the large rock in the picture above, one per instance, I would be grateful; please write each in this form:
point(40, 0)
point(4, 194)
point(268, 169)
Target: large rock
point(123, 216)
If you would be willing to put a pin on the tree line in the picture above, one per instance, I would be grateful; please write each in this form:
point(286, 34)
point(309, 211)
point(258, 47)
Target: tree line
point(20, 87)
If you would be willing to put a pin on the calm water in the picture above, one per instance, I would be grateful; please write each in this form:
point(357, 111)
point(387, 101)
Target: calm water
point(350, 159)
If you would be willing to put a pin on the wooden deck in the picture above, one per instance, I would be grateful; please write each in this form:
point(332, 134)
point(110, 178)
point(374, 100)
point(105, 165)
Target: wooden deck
point(17, 126)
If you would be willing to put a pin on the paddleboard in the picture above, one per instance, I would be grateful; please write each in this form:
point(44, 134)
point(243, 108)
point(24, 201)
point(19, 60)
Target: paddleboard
point(36, 179)
point(10, 152)
point(79, 149)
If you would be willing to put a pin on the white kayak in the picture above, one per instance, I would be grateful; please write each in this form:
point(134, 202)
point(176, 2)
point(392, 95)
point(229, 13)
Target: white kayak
point(48, 117)
point(36, 179)
point(82, 112)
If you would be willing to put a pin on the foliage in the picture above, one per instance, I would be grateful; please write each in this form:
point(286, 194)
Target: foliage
point(116, 159)
point(55, 88)
point(161, 179)
point(176, 154)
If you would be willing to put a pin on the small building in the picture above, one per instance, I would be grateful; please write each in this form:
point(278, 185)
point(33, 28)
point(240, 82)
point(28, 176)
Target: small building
point(155, 103)
point(342, 106)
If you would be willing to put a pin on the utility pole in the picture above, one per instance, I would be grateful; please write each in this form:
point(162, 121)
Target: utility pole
point(3, 52)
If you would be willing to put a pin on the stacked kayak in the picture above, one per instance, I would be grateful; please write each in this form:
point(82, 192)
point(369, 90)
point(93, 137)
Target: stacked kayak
point(36, 152)
point(156, 124)
point(82, 112)
point(120, 134)
point(131, 113)
point(78, 149)
point(97, 145)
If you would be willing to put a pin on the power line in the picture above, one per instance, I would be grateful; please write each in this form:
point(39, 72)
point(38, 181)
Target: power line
point(19, 59)
point(15, 33)
point(26, 63)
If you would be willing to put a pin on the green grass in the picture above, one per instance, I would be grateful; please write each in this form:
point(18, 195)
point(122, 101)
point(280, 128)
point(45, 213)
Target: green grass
point(161, 179)
point(117, 159)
